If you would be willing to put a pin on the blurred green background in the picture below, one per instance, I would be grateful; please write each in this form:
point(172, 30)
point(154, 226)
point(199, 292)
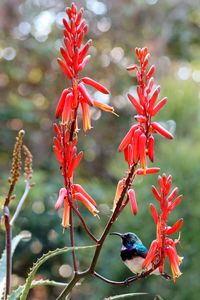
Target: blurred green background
point(30, 86)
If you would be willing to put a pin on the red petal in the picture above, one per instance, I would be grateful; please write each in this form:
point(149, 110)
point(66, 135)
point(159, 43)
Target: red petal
point(153, 99)
point(136, 135)
point(83, 64)
point(84, 51)
point(154, 213)
point(66, 56)
point(142, 150)
point(156, 193)
point(172, 195)
point(175, 227)
point(127, 139)
point(133, 201)
point(131, 68)
point(176, 202)
point(73, 165)
point(64, 67)
point(67, 26)
point(79, 189)
point(150, 72)
point(61, 196)
point(150, 255)
point(151, 148)
point(136, 104)
point(95, 84)
point(147, 171)
point(69, 47)
point(85, 94)
point(161, 130)
point(61, 102)
point(158, 106)
point(87, 203)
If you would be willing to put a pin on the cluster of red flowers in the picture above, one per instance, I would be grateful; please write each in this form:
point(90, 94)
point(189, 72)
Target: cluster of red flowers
point(139, 141)
point(66, 154)
point(164, 246)
point(75, 59)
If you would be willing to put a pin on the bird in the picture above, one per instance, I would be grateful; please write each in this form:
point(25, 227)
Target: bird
point(133, 253)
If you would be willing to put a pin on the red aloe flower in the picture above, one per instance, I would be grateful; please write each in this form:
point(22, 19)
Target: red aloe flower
point(66, 153)
point(78, 193)
point(164, 246)
point(139, 141)
point(74, 61)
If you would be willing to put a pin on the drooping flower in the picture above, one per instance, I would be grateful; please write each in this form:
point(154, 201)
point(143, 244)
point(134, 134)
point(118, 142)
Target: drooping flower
point(138, 144)
point(164, 246)
point(77, 193)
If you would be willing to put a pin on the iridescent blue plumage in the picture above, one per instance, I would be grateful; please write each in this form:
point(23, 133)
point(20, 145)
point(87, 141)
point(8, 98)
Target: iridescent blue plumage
point(133, 253)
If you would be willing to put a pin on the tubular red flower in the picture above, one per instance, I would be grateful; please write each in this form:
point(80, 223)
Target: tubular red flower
point(161, 130)
point(66, 214)
point(142, 150)
point(62, 195)
point(150, 255)
point(147, 171)
point(85, 116)
point(156, 193)
point(61, 103)
point(151, 148)
point(135, 143)
point(154, 213)
point(153, 99)
point(133, 201)
point(136, 104)
point(95, 84)
point(87, 203)
point(172, 195)
point(77, 188)
point(74, 163)
point(159, 106)
point(127, 139)
point(65, 68)
point(175, 261)
point(176, 227)
point(150, 72)
point(85, 94)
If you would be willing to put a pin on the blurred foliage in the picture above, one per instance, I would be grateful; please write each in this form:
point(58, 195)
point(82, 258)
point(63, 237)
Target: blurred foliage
point(30, 85)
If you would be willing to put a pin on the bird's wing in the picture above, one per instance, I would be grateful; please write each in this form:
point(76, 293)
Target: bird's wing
point(141, 250)
point(136, 250)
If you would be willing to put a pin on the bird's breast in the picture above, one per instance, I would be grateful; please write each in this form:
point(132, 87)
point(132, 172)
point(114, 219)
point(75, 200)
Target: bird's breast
point(135, 264)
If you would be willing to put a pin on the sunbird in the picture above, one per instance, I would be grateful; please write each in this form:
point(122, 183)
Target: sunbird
point(133, 253)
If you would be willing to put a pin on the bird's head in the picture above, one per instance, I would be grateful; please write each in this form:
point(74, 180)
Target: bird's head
point(128, 238)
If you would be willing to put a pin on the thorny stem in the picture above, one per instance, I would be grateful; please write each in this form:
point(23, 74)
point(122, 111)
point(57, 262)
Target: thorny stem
point(8, 250)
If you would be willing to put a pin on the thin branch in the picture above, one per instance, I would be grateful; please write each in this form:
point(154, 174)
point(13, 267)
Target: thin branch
point(72, 242)
point(8, 234)
point(21, 202)
point(84, 224)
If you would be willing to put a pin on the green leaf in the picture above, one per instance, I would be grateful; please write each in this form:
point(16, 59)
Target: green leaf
point(16, 293)
point(42, 260)
point(123, 296)
point(15, 242)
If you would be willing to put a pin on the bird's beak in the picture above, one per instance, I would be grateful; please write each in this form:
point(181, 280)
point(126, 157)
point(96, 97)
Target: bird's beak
point(117, 233)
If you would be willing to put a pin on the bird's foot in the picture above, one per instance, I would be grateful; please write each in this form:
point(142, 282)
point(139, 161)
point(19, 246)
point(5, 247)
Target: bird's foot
point(130, 279)
point(142, 275)
point(166, 276)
